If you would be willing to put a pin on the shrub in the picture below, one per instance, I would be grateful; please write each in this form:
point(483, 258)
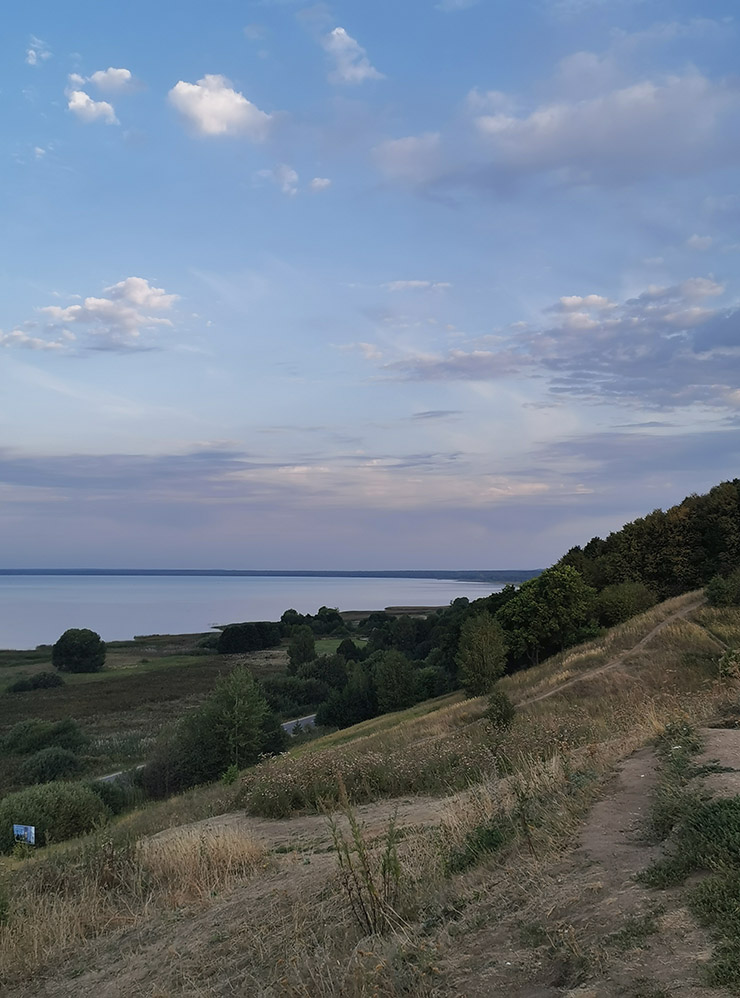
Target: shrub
point(117, 795)
point(254, 636)
point(58, 810)
point(78, 650)
point(19, 686)
point(46, 680)
point(41, 681)
point(500, 711)
point(723, 591)
point(621, 601)
point(52, 763)
point(32, 735)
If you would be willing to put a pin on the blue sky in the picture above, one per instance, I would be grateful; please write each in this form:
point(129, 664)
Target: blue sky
point(424, 284)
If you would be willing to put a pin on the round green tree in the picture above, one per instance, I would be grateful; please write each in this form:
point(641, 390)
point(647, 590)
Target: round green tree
point(78, 650)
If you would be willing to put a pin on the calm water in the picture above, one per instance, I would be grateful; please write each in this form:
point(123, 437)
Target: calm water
point(35, 610)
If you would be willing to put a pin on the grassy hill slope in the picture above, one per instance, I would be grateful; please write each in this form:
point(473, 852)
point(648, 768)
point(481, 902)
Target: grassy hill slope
point(457, 860)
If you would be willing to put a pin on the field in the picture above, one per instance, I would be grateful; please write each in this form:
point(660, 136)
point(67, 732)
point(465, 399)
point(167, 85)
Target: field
point(145, 684)
point(460, 861)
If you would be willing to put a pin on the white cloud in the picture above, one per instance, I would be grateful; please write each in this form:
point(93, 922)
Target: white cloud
point(88, 109)
point(320, 184)
point(115, 322)
point(416, 285)
point(112, 80)
point(37, 52)
point(697, 242)
point(413, 159)
point(666, 348)
point(350, 59)
point(19, 338)
point(213, 107)
point(39, 152)
point(680, 123)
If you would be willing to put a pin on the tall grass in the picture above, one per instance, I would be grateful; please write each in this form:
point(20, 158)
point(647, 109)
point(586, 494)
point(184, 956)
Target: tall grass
point(54, 902)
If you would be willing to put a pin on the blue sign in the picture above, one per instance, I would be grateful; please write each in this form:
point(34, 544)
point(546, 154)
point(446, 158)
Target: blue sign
point(25, 833)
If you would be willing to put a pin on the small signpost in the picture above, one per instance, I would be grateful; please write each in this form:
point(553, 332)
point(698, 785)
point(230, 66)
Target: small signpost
point(25, 833)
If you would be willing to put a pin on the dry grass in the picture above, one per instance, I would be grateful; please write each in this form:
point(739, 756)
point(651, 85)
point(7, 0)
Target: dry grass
point(59, 900)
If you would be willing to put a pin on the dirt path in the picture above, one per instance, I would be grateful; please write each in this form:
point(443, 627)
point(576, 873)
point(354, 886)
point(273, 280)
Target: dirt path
point(584, 927)
point(619, 659)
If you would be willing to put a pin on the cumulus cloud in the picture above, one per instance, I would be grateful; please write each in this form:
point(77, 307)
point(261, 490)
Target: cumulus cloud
point(37, 52)
point(320, 184)
point(413, 159)
point(351, 64)
point(113, 322)
point(88, 110)
point(20, 338)
point(669, 347)
point(112, 80)
point(212, 107)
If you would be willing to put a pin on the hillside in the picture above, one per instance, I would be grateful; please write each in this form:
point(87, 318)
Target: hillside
point(472, 862)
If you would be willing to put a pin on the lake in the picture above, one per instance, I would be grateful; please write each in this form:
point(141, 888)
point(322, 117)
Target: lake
point(37, 609)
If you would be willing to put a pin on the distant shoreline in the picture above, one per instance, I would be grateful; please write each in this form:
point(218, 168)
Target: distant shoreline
point(504, 575)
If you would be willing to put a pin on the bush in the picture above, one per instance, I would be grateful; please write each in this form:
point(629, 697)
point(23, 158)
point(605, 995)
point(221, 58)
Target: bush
point(58, 810)
point(32, 735)
point(291, 695)
point(724, 590)
point(500, 711)
point(254, 636)
point(78, 650)
point(19, 686)
point(619, 602)
point(41, 681)
point(117, 795)
point(52, 763)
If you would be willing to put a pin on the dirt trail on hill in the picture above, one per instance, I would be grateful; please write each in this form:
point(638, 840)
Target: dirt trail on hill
point(584, 927)
point(618, 659)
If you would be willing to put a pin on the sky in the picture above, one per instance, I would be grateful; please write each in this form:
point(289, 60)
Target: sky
point(392, 285)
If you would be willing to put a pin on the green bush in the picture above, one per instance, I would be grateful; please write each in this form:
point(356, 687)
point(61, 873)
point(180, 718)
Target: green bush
point(500, 711)
point(58, 810)
point(78, 650)
point(117, 795)
point(32, 735)
point(621, 601)
point(19, 686)
point(41, 681)
point(253, 636)
point(52, 763)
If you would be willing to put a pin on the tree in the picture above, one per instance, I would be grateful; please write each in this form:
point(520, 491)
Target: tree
point(78, 650)
point(302, 647)
point(394, 681)
point(233, 726)
point(547, 613)
point(481, 654)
